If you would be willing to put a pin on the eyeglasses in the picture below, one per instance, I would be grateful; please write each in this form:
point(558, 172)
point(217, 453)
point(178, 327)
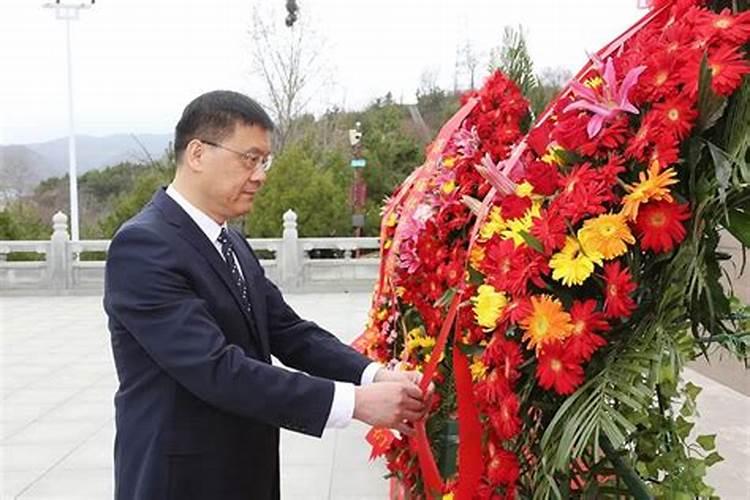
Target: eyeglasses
point(253, 159)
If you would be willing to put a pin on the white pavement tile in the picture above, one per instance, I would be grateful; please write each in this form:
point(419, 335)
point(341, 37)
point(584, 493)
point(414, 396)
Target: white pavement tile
point(47, 431)
point(57, 382)
point(84, 484)
point(305, 481)
point(300, 449)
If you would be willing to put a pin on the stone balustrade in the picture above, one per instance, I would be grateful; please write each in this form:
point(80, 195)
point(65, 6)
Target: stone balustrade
point(294, 263)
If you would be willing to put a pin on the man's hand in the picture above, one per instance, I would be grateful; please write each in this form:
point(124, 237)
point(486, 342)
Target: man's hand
point(390, 404)
point(387, 375)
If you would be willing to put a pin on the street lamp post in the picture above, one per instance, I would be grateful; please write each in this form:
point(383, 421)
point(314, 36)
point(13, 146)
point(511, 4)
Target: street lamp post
point(68, 13)
point(359, 188)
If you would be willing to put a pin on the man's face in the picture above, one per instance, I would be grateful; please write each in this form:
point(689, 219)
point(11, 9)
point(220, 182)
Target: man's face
point(229, 183)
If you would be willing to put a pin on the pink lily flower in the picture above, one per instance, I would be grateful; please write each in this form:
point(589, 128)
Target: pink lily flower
point(610, 102)
point(496, 174)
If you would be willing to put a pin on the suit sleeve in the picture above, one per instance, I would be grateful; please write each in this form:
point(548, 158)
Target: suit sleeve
point(147, 292)
point(303, 345)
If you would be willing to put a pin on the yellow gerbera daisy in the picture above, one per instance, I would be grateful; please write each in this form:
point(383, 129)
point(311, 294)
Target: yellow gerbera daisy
point(478, 369)
point(525, 189)
point(448, 187)
point(608, 235)
point(548, 322)
point(571, 265)
point(391, 220)
point(488, 305)
point(494, 225)
point(551, 156)
point(515, 227)
point(651, 187)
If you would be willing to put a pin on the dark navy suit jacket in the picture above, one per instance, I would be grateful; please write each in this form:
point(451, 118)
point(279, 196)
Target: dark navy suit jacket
point(199, 404)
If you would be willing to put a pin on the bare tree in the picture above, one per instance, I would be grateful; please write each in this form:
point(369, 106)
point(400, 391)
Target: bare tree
point(17, 178)
point(428, 81)
point(290, 65)
point(468, 61)
point(557, 77)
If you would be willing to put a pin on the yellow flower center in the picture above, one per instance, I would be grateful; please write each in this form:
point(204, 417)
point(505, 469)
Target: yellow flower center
point(723, 23)
point(555, 365)
point(542, 325)
point(673, 114)
point(715, 69)
point(579, 326)
point(661, 77)
point(613, 290)
point(658, 219)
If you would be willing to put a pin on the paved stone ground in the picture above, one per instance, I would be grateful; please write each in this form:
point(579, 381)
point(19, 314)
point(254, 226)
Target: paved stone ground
point(56, 417)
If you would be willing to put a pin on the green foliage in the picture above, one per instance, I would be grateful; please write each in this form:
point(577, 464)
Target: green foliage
point(391, 153)
point(311, 188)
point(513, 59)
point(20, 221)
point(436, 107)
point(130, 202)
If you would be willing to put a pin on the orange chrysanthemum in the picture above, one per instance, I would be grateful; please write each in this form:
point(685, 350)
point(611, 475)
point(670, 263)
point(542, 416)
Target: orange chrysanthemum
point(608, 235)
point(547, 322)
point(651, 187)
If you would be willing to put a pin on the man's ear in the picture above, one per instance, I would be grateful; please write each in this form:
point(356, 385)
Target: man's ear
point(194, 155)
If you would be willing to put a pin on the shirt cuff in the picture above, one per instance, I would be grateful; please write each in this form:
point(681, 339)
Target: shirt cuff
point(342, 407)
point(368, 375)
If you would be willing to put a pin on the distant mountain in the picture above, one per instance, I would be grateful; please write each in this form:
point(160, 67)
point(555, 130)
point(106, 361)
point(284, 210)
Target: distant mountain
point(49, 159)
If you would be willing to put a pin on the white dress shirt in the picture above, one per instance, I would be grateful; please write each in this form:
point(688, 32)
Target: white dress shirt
point(342, 408)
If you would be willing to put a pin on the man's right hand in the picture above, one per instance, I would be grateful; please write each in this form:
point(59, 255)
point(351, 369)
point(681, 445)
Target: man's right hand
point(389, 404)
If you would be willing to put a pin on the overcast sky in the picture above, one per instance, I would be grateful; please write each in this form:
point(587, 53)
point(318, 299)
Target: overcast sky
point(136, 63)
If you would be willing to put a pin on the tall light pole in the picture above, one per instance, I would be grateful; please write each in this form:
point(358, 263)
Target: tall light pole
point(68, 13)
point(359, 188)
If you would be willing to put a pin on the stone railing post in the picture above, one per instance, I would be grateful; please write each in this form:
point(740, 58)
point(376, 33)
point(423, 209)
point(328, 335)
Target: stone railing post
point(58, 257)
point(289, 262)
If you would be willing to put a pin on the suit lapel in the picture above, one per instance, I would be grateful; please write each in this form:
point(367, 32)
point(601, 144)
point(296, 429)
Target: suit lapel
point(190, 232)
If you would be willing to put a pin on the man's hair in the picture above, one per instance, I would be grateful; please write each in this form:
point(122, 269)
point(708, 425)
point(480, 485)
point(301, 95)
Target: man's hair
point(212, 117)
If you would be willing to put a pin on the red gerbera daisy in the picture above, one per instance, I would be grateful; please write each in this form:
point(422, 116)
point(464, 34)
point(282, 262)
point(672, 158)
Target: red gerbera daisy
point(660, 78)
point(558, 369)
point(582, 194)
point(665, 152)
point(550, 230)
point(543, 177)
point(492, 389)
point(618, 287)
point(498, 261)
point(645, 136)
point(529, 267)
point(728, 66)
point(726, 26)
point(514, 206)
point(502, 467)
point(504, 418)
point(677, 115)
point(659, 225)
point(587, 322)
point(504, 355)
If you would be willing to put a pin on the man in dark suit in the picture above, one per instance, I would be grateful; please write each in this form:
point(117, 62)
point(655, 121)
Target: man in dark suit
point(194, 322)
